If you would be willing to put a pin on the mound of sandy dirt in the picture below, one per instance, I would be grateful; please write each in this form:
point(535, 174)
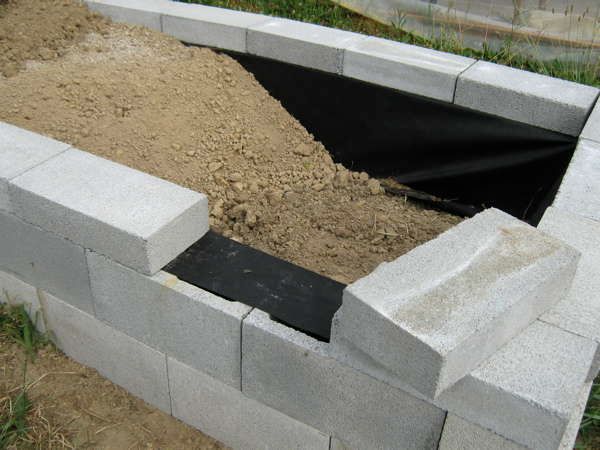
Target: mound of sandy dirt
point(197, 118)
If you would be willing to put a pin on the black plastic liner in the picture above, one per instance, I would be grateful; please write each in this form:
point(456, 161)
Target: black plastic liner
point(453, 153)
point(435, 147)
point(295, 296)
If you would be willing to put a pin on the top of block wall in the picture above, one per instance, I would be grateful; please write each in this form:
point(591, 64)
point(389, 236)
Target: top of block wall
point(138, 220)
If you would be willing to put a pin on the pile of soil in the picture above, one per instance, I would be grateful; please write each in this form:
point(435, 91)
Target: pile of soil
point(75, 407)
point(197, 118)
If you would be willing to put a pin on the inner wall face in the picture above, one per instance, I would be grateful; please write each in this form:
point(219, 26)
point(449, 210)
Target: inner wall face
point(442, 149)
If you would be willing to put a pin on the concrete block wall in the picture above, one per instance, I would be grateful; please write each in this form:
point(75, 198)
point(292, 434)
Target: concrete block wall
point(268, 386)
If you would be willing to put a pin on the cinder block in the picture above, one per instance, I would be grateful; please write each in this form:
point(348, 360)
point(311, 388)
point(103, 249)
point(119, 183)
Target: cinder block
point(229, 416)
point(20, 150)
point(213, 27)
point(526, 97)
point(137, 220)
point(579, 312)
point(436, 313)
point(591, 130)
point(460, 434)
point(579, 191)
point(123, 360)
point(146, 13)
point(528, 390)
point(405, 67)
point(188, 323)
point(45, 260)
point(300, 43)
point(16, 292)
point(298, 376)
point(464, 435)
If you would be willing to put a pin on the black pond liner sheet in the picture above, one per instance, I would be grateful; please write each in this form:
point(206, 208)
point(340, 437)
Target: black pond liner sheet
point(453, 153)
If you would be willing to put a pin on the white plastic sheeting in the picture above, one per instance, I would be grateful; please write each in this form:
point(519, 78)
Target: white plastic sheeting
point(545, 29)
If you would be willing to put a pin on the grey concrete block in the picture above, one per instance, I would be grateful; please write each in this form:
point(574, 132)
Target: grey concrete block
point(16, 292)
point(298, 376)
point(526, 97)
point(45, 260)
point(405, 67)
point(205, 25)
point(20, 150)
point(188, 323)
point(300, 43)
point(570, 435)
point(579, 191)
point(579, 312)
point(234, 419)
point(123, 360)
point(138, 220)
point(146, 13)
point(460, 434)
point(436, 313)
point(528, 390)
point(591, 130)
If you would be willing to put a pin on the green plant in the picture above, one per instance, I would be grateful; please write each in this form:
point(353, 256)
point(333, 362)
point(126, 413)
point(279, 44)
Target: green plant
point(13, 419)
point(16, 324)
point(589, 430)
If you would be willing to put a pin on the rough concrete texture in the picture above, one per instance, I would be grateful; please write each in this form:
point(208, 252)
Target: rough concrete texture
point(460, 434)
point(527, 391)
point(123, 360)
point(300, 43)
point(146, 13)
point(579, 191)
point(186, 322)
point(138, 220)
point(208, 26)
point(229, 416)
point(464, 435)
point(45, 260)
point(591, 130)
point(298, 376)
point(527, 97)
point(16, 292)
point(405, 67)
point(436, 313)
point(20, 150)
point(579, 312)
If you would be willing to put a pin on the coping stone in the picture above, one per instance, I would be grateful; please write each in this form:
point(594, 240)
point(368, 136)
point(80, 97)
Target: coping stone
point(404, 67)
point(300, 43)
point(437, 312)
point(579, 312)
point(123, 360)
point(186, 322)
point(209, 26)
point(20, 150)
point(138, 220)
point(528, 390)
point(591, 130)
point(146, 13)
point(297, 375)
point(579, 191)
point(527, 97)
point(234, 419)
point(14, 291)
point(45, 260)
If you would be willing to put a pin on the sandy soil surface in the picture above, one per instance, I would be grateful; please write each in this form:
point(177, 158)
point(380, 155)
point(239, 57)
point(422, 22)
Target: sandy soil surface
point(197, 118)
point(75, 407)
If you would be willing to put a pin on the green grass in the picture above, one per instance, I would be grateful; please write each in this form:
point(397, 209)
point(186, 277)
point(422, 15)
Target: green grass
point(589, 430)
point(324, 12)
point(16, 326)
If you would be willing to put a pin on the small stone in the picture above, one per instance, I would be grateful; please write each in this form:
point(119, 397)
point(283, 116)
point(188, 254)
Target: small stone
point(374, 186)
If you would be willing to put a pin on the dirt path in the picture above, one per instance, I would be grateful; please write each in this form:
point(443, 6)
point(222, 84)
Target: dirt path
point(197, 118)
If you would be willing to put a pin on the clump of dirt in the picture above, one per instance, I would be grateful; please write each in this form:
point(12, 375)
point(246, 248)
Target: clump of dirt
point(34, 29)
point(197, 118)
point(74, 407)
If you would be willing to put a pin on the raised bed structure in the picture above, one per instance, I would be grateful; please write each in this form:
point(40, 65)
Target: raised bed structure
point(484, 338)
